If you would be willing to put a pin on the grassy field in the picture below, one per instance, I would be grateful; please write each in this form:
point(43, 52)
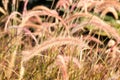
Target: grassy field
point(75, 40)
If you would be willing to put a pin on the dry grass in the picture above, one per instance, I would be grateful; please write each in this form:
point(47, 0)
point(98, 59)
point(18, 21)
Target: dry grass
point(43, 44)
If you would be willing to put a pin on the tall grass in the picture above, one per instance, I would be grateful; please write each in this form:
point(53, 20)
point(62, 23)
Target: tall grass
point(76, 40)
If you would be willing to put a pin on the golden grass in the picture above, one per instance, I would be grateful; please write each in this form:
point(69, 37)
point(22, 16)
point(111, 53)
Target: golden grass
point(40, 44)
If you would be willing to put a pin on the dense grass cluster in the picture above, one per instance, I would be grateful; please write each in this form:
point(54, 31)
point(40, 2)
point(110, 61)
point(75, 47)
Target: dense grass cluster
point(75, 40)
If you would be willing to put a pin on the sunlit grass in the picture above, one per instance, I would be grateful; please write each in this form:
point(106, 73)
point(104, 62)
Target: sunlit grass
point(82, 43)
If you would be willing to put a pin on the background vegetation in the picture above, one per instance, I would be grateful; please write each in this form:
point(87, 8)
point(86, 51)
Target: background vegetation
point(68, 40)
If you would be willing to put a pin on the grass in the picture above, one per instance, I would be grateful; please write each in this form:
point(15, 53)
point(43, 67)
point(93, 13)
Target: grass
point(76, 40)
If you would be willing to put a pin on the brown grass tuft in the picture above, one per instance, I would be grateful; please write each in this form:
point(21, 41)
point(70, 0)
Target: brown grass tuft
point(52, 42)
